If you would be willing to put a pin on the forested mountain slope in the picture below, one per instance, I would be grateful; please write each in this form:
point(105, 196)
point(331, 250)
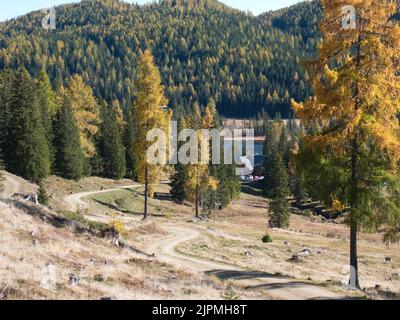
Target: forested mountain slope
point(203, 49)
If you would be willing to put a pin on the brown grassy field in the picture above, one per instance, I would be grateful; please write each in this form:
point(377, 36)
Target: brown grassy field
point(190, 255)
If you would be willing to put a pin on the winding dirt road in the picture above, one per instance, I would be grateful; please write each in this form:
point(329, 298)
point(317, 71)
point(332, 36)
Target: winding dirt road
point(75, 201)
point(279, 287)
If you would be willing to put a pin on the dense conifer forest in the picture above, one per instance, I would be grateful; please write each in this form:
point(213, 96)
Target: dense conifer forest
point(203, 50)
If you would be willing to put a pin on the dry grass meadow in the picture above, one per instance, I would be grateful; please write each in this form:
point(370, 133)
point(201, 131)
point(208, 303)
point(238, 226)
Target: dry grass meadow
point(40, 261)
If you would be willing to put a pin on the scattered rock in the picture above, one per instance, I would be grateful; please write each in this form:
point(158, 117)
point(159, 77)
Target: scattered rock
point(74, 279)
point(296, 258)
point(388, 259)
point(93, 261)
point(286, 243)
point(305, 252)
point(248, 254)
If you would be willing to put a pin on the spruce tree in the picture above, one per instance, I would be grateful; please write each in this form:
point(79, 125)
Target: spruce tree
point(6, 85)
point(228, 185)
point(283, 144)
point(178, 179)
point(177, 184)
point(298, 187)
point(26, 148)
point(270, 151)
point(131, 156)
point(279, 208)
point(43, 198)
point(69, 155)
point(112, 151)
point(48, 107)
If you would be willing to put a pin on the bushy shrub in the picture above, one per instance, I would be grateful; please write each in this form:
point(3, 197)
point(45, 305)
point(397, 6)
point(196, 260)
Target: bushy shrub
point(267, 238)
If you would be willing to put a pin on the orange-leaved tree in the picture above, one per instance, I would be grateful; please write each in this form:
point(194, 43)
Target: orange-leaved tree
point(149, 113)
point(352, 149)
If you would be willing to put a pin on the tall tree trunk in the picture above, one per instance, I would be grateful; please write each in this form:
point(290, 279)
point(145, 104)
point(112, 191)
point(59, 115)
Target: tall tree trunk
point(197, 202)
point(146, 194)
point(354, 281)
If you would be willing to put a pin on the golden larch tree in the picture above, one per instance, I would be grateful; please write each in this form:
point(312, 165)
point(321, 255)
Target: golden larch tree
point(150, 114)
point(198, 178)
point(86, 111)
point(352, 119)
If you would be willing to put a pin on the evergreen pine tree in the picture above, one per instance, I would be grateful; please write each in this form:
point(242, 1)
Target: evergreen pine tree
point(228, 185)
point(131, 157)
point(112, 151)
point(43, 198)
point(6, 85)
point(178, 179)
point(26, 146)
point(48, 107)
point(279, 208)
point(69, 156)
point(270, 151)
point(298, 187)
point(177, 184)
point(283, 145)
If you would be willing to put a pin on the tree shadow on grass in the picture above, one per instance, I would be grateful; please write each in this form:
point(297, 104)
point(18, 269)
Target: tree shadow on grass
point(279, 285)
point(116, 208)
point(252, 190)
point(163, 196)
point(287, 282)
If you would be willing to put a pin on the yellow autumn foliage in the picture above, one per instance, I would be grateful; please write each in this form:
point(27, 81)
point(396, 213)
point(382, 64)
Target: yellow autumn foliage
point(149, 114)
point(86, 111)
